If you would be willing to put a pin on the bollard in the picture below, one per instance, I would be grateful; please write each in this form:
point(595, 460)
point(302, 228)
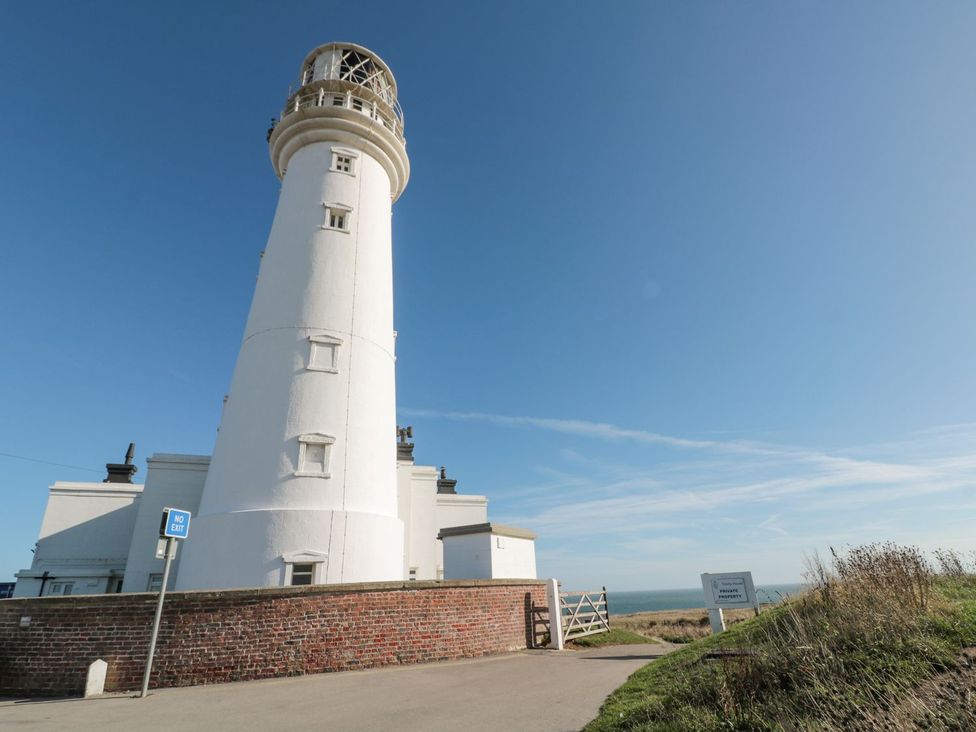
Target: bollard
point(95, 681)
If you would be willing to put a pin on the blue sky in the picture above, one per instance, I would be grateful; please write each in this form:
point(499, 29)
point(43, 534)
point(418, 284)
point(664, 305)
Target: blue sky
point(683, 287)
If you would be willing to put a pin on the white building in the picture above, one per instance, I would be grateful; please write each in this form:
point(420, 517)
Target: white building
point(306, 483)
point(101, 537)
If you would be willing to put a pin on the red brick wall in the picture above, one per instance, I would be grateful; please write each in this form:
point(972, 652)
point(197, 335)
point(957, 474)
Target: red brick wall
point(211, 637)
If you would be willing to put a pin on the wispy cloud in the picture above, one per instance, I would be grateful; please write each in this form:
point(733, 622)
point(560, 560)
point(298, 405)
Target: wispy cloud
point(600, 430)
point(801, 485)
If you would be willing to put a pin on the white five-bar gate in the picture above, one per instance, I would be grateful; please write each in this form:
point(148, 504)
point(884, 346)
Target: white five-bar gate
point(580, 613)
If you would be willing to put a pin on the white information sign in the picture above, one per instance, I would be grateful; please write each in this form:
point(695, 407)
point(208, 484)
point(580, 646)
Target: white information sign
point(729, 590)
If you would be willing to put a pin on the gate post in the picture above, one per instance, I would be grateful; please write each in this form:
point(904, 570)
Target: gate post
point(555, 615)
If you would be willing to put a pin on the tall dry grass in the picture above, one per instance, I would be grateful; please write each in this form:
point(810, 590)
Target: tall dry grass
point(853, 653)
point(879, 642)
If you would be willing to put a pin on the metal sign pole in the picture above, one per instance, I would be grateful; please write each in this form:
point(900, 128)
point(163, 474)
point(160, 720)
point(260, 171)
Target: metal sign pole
point(170, 546)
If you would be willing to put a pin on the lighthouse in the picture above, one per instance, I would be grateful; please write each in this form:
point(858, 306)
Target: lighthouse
point(302, 485)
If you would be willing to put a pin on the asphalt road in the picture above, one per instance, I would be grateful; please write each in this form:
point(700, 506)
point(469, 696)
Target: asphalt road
point(542, 691)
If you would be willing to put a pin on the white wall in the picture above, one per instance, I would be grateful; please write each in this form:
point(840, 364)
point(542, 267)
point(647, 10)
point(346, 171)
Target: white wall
point(418, 490)
point(84, 538)
point(512, 558)
point(425, 512)
point(489, 552)
point(457, 510)
point(467, 556)
point(172, 481)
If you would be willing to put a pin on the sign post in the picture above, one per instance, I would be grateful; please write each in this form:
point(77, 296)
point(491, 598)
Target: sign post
point(175, 525)
point(727, 590)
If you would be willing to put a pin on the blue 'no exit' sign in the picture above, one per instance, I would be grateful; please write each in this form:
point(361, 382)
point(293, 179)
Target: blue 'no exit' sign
point(176, 523)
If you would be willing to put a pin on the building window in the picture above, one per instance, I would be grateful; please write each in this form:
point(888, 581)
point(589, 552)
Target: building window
point(308, 74)
point(62, 588)
point(302, 574)
point(155, 583)
point(338, 100)
point(314, 455)
point(357, 104)
point(304, 568)
point(323, 353)
point(412, 576)
point(337, 217)
point(344, 161)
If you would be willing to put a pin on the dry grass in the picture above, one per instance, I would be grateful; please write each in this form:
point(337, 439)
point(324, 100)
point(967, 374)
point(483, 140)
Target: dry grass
point(675, 626)
point(879, 643)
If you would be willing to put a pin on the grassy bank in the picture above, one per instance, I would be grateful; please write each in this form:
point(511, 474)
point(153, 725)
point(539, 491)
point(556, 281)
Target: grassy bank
point(675, 626)
point(616, 637)
point(880, 642)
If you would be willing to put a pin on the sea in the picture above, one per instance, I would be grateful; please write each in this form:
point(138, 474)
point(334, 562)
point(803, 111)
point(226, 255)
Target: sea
point(640, 601)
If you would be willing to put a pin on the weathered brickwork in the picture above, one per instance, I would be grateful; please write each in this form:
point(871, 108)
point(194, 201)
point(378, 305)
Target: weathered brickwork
point(212, 637)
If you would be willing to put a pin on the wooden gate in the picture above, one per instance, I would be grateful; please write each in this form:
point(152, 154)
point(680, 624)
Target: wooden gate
point(584, 613)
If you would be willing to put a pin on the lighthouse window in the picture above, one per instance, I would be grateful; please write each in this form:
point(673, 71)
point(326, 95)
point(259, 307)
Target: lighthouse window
point(344, 161)
point(338, 100)
point(314, 455)
point(315, 459)
point(308, 73)
point(336, 217)
point(301, 574)
point(323, 353)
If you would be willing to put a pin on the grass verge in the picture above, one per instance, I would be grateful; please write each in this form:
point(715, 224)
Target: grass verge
point(616, 637)
point(867, 648)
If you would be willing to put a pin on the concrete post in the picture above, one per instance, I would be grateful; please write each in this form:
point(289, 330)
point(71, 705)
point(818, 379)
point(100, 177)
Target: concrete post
point(95, 681)
point(555, 615)
point(717, 619)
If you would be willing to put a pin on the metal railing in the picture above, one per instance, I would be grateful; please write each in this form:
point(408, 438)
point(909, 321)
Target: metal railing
point(308, 97)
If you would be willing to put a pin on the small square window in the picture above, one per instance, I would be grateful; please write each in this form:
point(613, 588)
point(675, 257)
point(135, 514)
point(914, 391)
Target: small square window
point(357, 104)
point(338, 100)
point(412, 576)
point(302, 574)
point(323, 354)
point(344, 161)
point(315, 459)
point(314, 456)
point(155, 583)
point(304, 568)
point(337, 217)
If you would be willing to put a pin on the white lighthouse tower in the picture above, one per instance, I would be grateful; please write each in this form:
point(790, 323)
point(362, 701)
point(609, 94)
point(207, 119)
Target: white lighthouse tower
point(302, 485)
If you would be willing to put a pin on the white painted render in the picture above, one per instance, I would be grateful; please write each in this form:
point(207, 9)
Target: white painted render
point(417, 491)
point(84, 539)
point(512, 557)
point(488, 552)
point(425, 512)
point(172, 481)
point(467, 556)
point(258, 503)
point(455, 509)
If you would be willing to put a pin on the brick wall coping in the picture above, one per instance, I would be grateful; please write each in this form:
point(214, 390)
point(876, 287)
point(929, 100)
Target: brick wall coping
point(259, 593)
